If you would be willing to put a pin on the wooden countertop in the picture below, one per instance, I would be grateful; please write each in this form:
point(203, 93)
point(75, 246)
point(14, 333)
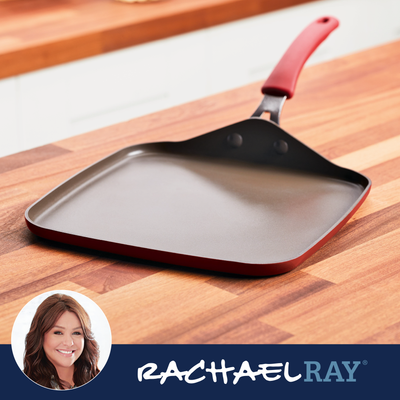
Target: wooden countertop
point(347, 292)
point(36, 34)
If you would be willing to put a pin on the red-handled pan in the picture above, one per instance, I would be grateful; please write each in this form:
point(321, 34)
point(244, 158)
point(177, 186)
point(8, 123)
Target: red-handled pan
point(247, 199)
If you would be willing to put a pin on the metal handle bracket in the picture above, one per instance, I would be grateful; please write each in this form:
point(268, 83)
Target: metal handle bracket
point(271, 104)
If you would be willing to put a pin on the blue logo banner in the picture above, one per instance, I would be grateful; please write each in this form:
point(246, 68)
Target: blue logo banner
point(228, 371)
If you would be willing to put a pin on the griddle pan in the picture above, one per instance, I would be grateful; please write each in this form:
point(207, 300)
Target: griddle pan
point(247, 199)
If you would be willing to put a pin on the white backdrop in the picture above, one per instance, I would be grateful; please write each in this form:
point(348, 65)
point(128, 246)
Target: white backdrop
point(55, 103)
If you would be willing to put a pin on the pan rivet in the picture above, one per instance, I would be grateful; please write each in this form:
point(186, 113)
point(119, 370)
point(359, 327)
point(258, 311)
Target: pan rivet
point(281, 147)
point(234, 140)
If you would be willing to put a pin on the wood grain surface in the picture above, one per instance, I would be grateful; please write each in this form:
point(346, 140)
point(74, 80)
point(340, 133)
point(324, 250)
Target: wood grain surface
point(36, 34)
point(347, 292)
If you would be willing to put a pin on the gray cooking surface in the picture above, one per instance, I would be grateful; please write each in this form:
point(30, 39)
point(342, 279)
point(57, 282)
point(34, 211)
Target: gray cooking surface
point(201, 207)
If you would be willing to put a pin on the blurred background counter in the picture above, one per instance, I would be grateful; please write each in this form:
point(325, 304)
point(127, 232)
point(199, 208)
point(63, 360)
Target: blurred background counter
point(72, 66)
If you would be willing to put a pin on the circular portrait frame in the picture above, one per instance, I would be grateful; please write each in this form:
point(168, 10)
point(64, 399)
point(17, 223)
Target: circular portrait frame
point(99, 324)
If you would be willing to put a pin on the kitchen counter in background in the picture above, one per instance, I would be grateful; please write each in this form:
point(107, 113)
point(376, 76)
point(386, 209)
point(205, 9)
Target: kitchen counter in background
point(134, 59)
point(347, 292)
point(36, 34)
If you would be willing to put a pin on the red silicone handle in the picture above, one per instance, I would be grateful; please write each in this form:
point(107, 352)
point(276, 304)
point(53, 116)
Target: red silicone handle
point(283, 78)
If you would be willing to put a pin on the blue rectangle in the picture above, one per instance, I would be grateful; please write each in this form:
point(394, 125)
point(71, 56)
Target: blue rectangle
point(229, 371)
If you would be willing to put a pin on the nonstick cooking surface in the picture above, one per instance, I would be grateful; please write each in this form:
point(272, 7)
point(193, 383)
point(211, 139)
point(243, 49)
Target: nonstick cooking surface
point(197, 206)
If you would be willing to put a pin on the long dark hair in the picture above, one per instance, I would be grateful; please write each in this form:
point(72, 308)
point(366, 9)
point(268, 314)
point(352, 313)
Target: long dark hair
point(37, 366)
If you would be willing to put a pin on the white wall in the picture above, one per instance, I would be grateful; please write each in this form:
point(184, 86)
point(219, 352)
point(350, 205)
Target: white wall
point(55, 103)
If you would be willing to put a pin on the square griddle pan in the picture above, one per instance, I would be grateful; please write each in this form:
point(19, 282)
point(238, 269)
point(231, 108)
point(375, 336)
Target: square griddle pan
point(248, 198)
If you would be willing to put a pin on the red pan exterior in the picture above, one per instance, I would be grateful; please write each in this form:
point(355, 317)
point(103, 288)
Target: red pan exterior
point(191, 261)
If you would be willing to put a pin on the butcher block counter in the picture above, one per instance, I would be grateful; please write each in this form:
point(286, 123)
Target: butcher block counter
point(347, 292)
point(36, 34)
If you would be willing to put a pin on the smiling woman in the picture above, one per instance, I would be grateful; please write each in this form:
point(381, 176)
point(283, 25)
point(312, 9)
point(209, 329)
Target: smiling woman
point(60, 350)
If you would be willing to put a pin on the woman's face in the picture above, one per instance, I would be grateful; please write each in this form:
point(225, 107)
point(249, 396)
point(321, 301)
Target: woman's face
point(64, 342)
